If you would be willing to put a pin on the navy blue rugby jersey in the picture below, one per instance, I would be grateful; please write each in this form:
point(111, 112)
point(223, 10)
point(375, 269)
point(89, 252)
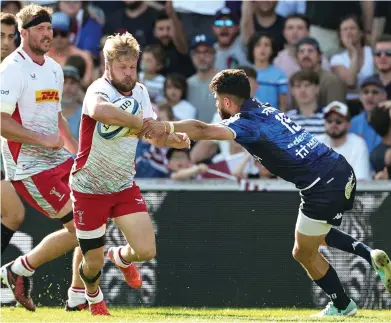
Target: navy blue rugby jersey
point(286, 149)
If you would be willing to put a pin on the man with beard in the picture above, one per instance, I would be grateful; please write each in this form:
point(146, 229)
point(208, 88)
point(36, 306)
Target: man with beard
point(34, 137)
point(137, 18)
point(326, 181)
point(102, 176)
point(309, 57)
point(12, 209)
point(229, 48)
point(169, 33)
point(203, 55)
point(382, 55)
point(351, 146)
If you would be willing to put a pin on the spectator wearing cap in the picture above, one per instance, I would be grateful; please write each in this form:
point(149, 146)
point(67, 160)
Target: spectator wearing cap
point(260, 16)
point(380, 120)
point(372, 93)
point(203, 55)
point(305, 88)
point(383, 62)
point(86, 25)
point(70, 102)
point(309, 56)
point(62, 48)
point(296, 28)
point(229, 48)
point(169, 34)
point(273, 84)
point(351, 146)
point(355, 63)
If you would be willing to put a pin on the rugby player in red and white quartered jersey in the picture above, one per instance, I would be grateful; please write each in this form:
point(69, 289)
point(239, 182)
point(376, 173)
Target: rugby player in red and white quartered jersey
point(34, 132)
point(106, 166)
point(102, 176)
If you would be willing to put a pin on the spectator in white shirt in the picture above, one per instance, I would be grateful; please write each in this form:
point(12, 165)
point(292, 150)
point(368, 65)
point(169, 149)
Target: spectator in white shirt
point(356, 63)
point(175, 92)
point(351, 146)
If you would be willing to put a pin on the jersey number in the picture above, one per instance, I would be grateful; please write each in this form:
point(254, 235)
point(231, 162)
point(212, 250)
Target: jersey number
point(287, 122)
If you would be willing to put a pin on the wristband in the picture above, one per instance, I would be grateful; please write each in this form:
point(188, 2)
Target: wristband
point(171, 124)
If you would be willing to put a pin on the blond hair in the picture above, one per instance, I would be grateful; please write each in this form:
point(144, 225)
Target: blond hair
point(121, 45)
point(27, 14)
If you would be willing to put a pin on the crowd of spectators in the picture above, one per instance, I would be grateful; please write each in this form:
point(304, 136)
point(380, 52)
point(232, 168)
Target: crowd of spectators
point(327, 66)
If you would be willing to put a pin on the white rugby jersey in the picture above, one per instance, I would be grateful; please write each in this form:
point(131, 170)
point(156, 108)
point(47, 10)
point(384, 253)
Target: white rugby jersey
point(31, 93)
point(105, 166)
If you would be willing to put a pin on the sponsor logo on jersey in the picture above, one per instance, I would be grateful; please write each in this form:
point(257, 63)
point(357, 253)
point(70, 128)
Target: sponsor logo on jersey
point(50, 95)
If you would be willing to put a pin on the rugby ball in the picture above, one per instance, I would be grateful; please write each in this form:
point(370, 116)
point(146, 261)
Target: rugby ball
point(128, 104)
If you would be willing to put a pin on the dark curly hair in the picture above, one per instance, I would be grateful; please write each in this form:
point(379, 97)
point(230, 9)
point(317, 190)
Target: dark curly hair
point(232, 82)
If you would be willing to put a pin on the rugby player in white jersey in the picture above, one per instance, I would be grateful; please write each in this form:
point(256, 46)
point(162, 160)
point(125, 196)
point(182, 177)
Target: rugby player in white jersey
point(102, 182)
point(34, 133)
point(12, 209)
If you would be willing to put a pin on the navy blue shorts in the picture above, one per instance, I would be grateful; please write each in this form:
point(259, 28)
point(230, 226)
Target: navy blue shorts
point(334, 194)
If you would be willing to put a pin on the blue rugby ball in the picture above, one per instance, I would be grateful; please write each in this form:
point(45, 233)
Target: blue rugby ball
point(128, 104)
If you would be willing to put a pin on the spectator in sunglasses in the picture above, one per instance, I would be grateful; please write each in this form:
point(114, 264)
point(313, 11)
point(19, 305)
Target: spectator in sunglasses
point(229, 48)
point(350, 145)
point(372, 93)
point(62, 48)
point(382, 54)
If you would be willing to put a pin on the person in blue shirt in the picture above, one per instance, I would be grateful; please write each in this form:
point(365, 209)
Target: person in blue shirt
point(326, 181)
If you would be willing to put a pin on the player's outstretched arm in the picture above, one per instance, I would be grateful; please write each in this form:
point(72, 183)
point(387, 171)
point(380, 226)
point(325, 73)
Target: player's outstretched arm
point(107, 113)
point(14, 131)
point(195, 129)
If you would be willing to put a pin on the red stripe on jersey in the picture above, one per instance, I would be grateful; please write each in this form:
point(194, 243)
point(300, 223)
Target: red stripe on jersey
point(87, 127)
point(21, 54)
point(13, 146)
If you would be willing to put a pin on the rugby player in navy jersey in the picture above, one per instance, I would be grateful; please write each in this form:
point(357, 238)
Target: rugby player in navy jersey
point(326, 181)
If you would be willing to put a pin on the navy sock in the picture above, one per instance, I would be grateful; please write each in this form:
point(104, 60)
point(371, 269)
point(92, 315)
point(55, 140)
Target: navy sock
point(345, 242)
point(332, 286)
point(6, 235)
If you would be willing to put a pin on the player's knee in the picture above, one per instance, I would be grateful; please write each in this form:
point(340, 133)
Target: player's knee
point(94, 261)
point(300, 254)
point(147, 253)
point(15, 216)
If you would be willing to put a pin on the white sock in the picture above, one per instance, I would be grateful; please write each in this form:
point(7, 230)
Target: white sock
point(94, 298)
point(119, 260)
point(76, 296)
point(22, 267)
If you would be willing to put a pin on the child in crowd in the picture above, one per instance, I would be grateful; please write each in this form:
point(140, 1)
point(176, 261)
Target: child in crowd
point(273, 84)
point(175, 91)
point(153, 60)
point(181, 167)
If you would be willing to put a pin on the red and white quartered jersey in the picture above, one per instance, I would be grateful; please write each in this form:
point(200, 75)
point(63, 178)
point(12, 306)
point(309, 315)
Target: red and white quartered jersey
point(106, 166)
point(31, 93)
